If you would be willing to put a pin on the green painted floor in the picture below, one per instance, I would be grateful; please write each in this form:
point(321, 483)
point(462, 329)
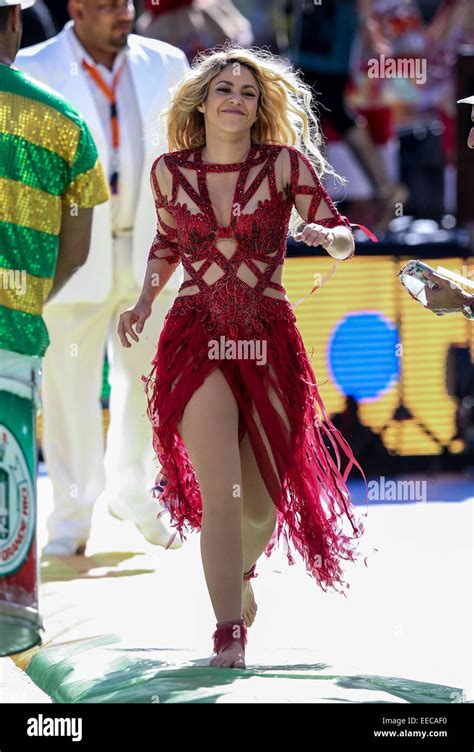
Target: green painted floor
point(132, 623)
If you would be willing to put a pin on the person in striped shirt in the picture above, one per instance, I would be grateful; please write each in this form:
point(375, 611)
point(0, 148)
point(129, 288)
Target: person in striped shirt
point(50, 180)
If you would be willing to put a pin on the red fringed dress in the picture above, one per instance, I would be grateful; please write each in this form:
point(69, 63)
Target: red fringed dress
point(231, 299)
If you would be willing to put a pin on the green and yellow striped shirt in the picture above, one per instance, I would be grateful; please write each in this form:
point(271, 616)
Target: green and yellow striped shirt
point(48, 159)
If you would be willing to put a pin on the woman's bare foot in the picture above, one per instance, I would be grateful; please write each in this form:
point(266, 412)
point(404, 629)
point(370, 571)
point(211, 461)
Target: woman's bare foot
point(231, 657)
point(249, 605)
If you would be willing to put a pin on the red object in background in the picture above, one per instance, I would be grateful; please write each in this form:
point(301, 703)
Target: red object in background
point(21, 587)
point(330, 133)
point(448, 136)
point(379, 123)
point(165, 6)
point(20, 622)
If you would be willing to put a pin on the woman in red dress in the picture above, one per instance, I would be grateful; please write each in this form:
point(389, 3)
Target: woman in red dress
point(239, 426)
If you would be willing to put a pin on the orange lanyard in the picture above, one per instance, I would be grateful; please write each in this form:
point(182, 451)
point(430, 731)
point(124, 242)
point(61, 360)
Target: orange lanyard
point(110, 93)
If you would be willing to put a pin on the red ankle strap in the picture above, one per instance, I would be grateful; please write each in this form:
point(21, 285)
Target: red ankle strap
point(227, 631)
point(251, 573)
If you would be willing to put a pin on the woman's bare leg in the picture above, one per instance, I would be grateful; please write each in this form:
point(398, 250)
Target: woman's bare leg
point(259, 511)
point(258, 522)
point(209, 429)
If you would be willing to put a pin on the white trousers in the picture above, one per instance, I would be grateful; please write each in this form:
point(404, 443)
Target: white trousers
point(21, 375)
point(72, 416)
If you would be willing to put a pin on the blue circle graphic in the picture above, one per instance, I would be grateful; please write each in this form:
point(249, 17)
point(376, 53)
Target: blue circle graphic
point(363, 356)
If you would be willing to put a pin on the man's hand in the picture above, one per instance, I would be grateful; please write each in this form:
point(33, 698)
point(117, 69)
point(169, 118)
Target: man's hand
point(134, 317)
point(446, 297)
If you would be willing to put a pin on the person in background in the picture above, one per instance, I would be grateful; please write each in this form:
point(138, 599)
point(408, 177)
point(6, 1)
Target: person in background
point(367, 445)
point(194, 25)
point(47, 198)
point(448, 297)
point(320, 42)
point(267, 18)
point(120, 82)
point(59, 12)
point(50, 182)
point(38, 24)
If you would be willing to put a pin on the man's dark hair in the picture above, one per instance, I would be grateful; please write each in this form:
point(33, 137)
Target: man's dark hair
point(4, 16)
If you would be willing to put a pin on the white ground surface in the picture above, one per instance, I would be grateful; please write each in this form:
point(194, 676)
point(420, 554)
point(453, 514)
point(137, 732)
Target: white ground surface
point(408, 614)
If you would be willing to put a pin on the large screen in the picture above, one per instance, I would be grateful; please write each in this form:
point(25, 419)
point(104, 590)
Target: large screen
point(372, 340)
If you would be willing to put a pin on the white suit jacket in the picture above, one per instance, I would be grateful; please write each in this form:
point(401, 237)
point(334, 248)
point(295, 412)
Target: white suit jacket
point(155, 68)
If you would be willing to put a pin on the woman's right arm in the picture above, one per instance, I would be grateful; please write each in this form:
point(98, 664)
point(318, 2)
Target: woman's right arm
point(163, 257)
point(158, 272)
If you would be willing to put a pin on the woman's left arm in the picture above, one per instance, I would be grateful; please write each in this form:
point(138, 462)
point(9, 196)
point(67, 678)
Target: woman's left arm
point(325, 225)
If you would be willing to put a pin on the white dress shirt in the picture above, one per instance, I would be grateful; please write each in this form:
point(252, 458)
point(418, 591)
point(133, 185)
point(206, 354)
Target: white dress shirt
point(123, 204)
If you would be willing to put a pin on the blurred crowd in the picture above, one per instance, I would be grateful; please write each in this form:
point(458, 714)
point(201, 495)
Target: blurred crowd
point(383, 74)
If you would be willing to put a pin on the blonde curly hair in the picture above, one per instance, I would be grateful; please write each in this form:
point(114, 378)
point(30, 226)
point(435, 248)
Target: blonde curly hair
point(285, 114)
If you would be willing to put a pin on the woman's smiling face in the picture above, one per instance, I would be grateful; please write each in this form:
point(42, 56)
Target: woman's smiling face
point(232, 100)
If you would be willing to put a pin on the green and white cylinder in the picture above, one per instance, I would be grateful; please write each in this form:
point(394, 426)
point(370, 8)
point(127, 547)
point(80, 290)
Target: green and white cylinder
point(20, 623)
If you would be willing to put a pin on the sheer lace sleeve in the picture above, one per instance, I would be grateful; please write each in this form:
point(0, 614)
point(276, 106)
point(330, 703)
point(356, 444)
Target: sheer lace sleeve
point(313, 203)
point(165, 244)
point(309, 196)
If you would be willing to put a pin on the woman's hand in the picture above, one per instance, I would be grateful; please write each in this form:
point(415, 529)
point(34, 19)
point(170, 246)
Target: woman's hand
point(314, 234)
point(134, 317)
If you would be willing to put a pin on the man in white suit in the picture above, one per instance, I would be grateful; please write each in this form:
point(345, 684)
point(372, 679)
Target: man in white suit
point(119, 82)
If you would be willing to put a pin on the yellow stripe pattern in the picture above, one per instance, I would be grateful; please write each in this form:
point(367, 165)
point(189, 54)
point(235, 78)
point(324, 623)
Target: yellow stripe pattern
point(29, 207)
point(88, 189)
point(22, 291)
point(38, 124)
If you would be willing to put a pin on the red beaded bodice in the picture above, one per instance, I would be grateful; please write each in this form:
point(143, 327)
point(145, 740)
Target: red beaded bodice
point(231, 267)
